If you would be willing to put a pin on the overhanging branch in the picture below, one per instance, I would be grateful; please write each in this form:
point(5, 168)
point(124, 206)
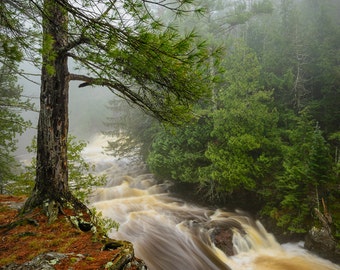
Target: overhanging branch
point(122, 91)
point(112, 85)
point(75, 43)
point(86, 79)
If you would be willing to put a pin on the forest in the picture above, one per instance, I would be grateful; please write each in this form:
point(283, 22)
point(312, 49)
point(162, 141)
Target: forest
point(267, 139)
point(263, 131)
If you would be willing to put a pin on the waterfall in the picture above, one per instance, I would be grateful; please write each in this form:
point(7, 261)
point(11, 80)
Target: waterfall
point(168, 233)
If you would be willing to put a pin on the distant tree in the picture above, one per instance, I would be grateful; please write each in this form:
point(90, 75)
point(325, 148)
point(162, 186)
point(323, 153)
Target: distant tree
point(11, 123)
point(307, 176)
point(297, 49)
point(179, 153)
point(11, 104)
point(132, 131)
point(244, 145)
point(120, 45)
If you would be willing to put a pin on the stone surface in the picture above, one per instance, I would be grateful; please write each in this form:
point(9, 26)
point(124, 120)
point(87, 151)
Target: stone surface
point(223, 239)
point(45, 261)
point(321, 242)
point(123, 260)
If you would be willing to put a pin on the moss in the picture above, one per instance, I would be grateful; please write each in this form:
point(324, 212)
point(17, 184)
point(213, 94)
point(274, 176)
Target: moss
point(73, 260)
point(7, 260)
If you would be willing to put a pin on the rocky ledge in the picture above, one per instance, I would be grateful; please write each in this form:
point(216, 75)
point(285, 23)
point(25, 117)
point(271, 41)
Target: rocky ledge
point(320, 240)
point(123, 260)
point(31, 242)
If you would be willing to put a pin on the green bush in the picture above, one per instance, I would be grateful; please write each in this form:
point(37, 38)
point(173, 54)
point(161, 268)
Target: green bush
point(81, 180)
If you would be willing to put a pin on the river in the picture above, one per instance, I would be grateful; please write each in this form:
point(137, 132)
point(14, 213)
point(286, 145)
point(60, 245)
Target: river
point(171, 234)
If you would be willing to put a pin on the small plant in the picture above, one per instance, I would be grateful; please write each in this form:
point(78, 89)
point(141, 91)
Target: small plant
point(81, 180)
point(103, 224)
point(73, 260)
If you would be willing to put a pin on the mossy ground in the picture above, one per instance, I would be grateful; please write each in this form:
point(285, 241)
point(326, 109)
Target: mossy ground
point(34, 236)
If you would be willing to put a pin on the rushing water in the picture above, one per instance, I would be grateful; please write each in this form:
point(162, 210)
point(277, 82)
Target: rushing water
point(170, 234)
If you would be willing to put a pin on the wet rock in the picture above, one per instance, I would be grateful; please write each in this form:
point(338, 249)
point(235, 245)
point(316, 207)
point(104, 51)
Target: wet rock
point(321, 242)
point(112, 245)
point(223, 239)
point(124, 257)
point(221, 234)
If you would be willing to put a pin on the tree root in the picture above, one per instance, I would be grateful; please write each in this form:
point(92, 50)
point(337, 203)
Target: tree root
point(19, 222)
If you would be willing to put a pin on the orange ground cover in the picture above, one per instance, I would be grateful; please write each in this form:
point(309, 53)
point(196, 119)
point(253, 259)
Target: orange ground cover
point(24, 242)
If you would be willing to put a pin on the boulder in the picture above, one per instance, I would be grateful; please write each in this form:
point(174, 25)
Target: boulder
point(223, 239)
point(320, 239)
point(322, 243)
point(45, 261)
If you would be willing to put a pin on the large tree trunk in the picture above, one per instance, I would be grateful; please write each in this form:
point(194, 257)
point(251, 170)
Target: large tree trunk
point(51, 185)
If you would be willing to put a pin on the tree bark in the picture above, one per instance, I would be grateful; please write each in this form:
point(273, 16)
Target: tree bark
point(51, 186)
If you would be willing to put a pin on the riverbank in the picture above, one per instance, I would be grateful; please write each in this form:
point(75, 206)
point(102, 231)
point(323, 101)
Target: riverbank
point(59, 245)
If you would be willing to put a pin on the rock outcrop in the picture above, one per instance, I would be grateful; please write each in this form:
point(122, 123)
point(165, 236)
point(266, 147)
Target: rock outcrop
point(44, 261)
point(123, 260)
point(31, 243)
point(223, 239)
point(320, 240)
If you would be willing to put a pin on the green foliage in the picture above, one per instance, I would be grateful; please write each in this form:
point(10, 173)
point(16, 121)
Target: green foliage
point(81, 180)
point(231, 148)
point(103, 224)
point(15, 36)
point(335, 140)
point(334, 208)
point(243, 147)
point(9, 49)
point(240, 15)
point(307, 175)
point(11, 101)
point(178, 153)
point(297, 51)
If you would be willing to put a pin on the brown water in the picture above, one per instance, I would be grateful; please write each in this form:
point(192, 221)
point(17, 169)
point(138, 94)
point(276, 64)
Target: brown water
point(170, 234)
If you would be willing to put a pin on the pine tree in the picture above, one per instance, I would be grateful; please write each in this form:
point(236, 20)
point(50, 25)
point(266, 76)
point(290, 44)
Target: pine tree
point(121, 46)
